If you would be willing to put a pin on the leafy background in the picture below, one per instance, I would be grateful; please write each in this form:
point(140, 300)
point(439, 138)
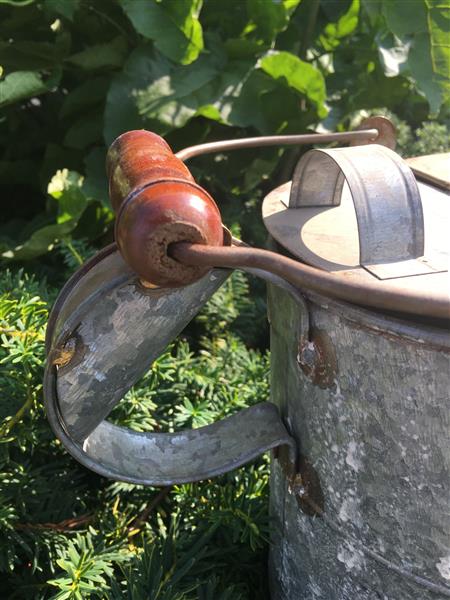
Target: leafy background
point(75, 74)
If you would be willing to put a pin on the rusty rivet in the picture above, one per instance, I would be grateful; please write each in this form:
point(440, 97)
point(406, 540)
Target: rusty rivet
point(64, 355)
point(387, 133)
point(306, 487)
point(317, 359)
point(303, 482)
point(70, 352)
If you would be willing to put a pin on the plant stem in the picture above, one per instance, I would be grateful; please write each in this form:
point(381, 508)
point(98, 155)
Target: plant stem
point(74, 251)
point(6, 427)
point(312, 18)
point(143, 516)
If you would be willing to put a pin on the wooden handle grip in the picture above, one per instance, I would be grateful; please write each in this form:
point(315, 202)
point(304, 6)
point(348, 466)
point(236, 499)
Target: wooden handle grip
point(157, 203)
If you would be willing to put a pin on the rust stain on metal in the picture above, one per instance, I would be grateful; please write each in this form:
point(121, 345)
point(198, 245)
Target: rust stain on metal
point(317, 359)
point(68, 288)
point(303, 481)
point(64, 355)
point(144, 286)
point(387, 132)
point(71, 352)
point(283, 455)
point(307, 489)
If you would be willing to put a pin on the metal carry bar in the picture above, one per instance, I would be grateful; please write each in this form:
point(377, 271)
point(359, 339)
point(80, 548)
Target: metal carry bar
point(304, 276)
point(362, 135)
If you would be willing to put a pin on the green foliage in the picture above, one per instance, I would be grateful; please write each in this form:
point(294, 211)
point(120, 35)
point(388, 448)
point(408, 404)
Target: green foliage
point(87, 567)
point(66, 533)
point(21, 85)
point(415, 42)
point(430, 138)
point(173, 26)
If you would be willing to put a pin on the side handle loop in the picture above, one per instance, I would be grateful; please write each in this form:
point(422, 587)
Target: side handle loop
point(105, 333)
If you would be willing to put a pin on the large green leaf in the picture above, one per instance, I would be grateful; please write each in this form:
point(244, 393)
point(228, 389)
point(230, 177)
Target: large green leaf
point(344, 26)
point(393, 53)
point(421, 68)
point(66, 8)
point(420, 46)
point(40, 242)
point(84, 131)
point(121, 112)
point(270, 106)
point(66, 189)
point(438, 22)
point(17, 55)
point(248, 108)
point(422, 30)
point(155, 94)
point(297, 75)
point(92, 91)
point(243, 48)
point(173, 26)
point(403, 22)
point(95, 184)
point(171, 98)
point(271, 16)
point(21, 85)
point(98, 56)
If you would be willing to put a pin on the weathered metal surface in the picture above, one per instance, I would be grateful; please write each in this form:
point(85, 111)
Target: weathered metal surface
point(373, 245)
point(433, 168)
point(377, 132)
point(103, 335)
point(328, 238)
point(387, 133)
point(317, 358)
point(385, 197)
point(106, 268)
point(121, 327)
point(161, 459)
point(379, 442)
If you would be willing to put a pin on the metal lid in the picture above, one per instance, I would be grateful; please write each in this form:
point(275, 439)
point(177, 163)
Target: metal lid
point(359, 212)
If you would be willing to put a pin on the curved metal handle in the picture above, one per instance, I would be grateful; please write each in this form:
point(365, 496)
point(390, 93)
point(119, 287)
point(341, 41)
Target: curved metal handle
point(103, 335)
point(385, 195)
point(373, 130)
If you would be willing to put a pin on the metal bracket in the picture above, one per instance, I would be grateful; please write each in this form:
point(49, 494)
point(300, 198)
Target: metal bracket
point(105, 331)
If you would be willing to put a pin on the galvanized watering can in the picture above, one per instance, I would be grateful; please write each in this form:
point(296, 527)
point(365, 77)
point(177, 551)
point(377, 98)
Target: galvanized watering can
point(359, 312)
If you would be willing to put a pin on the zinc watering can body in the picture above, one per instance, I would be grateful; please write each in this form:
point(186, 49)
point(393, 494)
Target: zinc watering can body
point(366, 391)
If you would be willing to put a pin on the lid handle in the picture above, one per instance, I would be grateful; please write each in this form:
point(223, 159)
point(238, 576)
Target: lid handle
point(386, 199)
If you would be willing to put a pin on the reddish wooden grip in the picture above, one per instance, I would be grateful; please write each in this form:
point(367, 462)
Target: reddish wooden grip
point(157, 203)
